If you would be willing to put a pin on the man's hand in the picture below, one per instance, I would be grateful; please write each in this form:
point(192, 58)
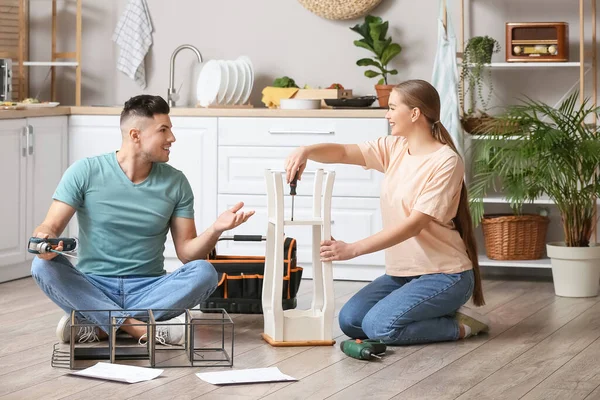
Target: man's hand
point(336, 250)
point(231, 218)
point(49, 255)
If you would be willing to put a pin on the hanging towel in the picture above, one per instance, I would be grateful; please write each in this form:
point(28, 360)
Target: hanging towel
point(445, 79)
point(133, 35)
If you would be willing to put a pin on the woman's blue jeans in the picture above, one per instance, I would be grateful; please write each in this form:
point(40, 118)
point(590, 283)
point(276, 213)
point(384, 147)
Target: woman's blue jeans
point(72, 290)
point(407, 310)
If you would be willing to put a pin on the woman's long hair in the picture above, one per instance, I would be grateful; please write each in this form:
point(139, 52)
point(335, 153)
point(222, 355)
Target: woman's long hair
point(422, 95)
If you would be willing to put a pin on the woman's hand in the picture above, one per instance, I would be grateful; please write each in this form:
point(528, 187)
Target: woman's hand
point(295, 164)
point(336, 250)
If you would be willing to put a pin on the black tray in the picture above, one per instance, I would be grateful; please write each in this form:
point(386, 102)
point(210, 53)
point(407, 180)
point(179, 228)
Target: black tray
point(364, 101)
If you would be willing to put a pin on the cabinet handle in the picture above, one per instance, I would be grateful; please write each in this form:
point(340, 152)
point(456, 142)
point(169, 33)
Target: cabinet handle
point(30, 138)
point(24, 141)
point(302, 132)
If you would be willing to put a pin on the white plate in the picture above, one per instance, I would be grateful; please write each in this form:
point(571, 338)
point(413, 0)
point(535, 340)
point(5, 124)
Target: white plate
point(241, 84)
point(248, 64)
point(209, 81)
point(233, 82)
point(224, 82)
point(38, 105)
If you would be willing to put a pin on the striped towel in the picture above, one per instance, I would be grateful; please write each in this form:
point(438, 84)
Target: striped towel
point(133, 35)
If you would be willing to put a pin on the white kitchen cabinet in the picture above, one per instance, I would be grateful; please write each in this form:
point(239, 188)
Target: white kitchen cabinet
point(243, 171)
point(33, 156)
point(249, 146)
point(194, 153)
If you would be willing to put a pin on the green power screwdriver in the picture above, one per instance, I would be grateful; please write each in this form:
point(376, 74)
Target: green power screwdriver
point(363, 349)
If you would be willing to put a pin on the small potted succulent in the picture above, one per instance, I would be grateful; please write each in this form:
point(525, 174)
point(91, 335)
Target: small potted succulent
point(374, 31)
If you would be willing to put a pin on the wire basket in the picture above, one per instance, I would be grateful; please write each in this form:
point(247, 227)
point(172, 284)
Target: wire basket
point(515, 237)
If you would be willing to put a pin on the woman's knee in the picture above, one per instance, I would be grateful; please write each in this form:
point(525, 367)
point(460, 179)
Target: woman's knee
point(350, 322)
point(376, 327)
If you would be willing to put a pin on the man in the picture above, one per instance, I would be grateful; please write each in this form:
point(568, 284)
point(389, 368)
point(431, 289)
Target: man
point(126, 202)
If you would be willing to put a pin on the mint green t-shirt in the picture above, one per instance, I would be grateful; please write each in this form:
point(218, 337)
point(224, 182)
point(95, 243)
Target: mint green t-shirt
point(123, 226)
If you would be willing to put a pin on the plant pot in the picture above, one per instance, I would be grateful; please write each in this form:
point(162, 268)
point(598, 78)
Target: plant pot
point(514, 237)
point(486, 56)
point(575, 270)
point(383, 94)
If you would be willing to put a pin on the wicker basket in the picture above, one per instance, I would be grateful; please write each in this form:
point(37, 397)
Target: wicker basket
point(515, 237)
point(340, 9)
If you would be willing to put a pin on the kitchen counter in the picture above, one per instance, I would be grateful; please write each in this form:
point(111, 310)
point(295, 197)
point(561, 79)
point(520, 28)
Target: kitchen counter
point(36, 112)
point(202, 112)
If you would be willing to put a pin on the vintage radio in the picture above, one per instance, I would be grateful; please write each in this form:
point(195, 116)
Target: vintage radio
point(537, 41)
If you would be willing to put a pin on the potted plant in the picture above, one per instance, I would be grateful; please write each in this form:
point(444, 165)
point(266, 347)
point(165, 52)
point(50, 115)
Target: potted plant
point(478, 52)
point(373, 31)
point(550, 151)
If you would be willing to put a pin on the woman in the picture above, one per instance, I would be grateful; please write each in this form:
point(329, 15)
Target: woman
point(430, 252)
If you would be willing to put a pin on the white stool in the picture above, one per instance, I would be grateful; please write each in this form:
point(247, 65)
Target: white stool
point(312, 327)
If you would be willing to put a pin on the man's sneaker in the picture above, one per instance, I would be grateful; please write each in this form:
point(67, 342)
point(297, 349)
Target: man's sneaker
point(84, 334)
point(474, 322)
point(167, 334)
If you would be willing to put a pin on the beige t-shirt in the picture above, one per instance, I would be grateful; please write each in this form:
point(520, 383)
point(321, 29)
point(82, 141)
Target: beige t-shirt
point(430, 184)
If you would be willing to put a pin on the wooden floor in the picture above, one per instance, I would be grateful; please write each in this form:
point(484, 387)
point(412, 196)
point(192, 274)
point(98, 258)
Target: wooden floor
point(540, 347)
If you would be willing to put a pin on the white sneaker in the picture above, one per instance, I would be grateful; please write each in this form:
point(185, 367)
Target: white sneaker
point(477, 323)
point(84, 334)
point(167, 334)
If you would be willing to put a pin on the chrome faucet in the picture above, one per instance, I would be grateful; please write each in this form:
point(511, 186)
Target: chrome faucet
point(173, 96)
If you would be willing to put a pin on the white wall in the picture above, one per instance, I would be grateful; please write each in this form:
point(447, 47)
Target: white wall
point(283, 38)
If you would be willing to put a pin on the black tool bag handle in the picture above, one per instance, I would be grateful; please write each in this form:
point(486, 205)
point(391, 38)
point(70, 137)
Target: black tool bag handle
point(244, 238)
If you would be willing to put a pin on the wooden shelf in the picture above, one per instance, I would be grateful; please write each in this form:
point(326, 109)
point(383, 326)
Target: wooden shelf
point(533, 64)
point(484, 261)
point(502, 200)
point(50, 63)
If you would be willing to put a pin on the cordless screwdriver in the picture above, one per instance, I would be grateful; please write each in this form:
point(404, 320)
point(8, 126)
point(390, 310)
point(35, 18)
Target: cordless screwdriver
point(363, 349)
point(293, 185)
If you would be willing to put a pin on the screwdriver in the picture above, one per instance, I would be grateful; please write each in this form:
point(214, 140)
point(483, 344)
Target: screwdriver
point(293, 185)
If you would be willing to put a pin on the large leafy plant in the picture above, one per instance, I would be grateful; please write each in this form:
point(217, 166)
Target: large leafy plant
point(536, 149)
point(373, 31)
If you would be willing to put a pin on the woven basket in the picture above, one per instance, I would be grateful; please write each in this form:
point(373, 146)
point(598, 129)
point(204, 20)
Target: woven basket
point(340, 9)
point(515, 237)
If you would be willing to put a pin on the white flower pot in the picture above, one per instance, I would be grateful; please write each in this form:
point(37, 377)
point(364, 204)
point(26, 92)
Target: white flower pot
point(575, 270)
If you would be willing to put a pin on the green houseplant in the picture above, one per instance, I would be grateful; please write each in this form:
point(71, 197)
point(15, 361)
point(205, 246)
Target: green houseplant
point(552, 151)
point(478, 52)
point(374, 31)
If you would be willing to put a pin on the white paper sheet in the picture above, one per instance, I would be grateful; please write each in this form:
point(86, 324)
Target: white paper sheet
point(256, 375)
point(119, 373)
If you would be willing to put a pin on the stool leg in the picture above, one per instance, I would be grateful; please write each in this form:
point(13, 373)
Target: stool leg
point(327, 269)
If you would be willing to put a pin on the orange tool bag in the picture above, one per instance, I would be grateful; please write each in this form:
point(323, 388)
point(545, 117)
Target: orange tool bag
point(241, 279)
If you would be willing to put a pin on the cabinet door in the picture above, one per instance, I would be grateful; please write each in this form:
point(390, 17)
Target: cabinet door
point(91, 136)
point(47, 163)
point(13, 163)
point(243, 171)
point(352, 219)
point(195, 154)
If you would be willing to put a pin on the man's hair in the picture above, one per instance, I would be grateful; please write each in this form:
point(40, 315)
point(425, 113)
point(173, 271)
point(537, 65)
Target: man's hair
point(144, 105)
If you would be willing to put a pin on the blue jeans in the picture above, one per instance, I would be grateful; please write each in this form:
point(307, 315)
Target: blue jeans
point(407, 310)
point(72, 290)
